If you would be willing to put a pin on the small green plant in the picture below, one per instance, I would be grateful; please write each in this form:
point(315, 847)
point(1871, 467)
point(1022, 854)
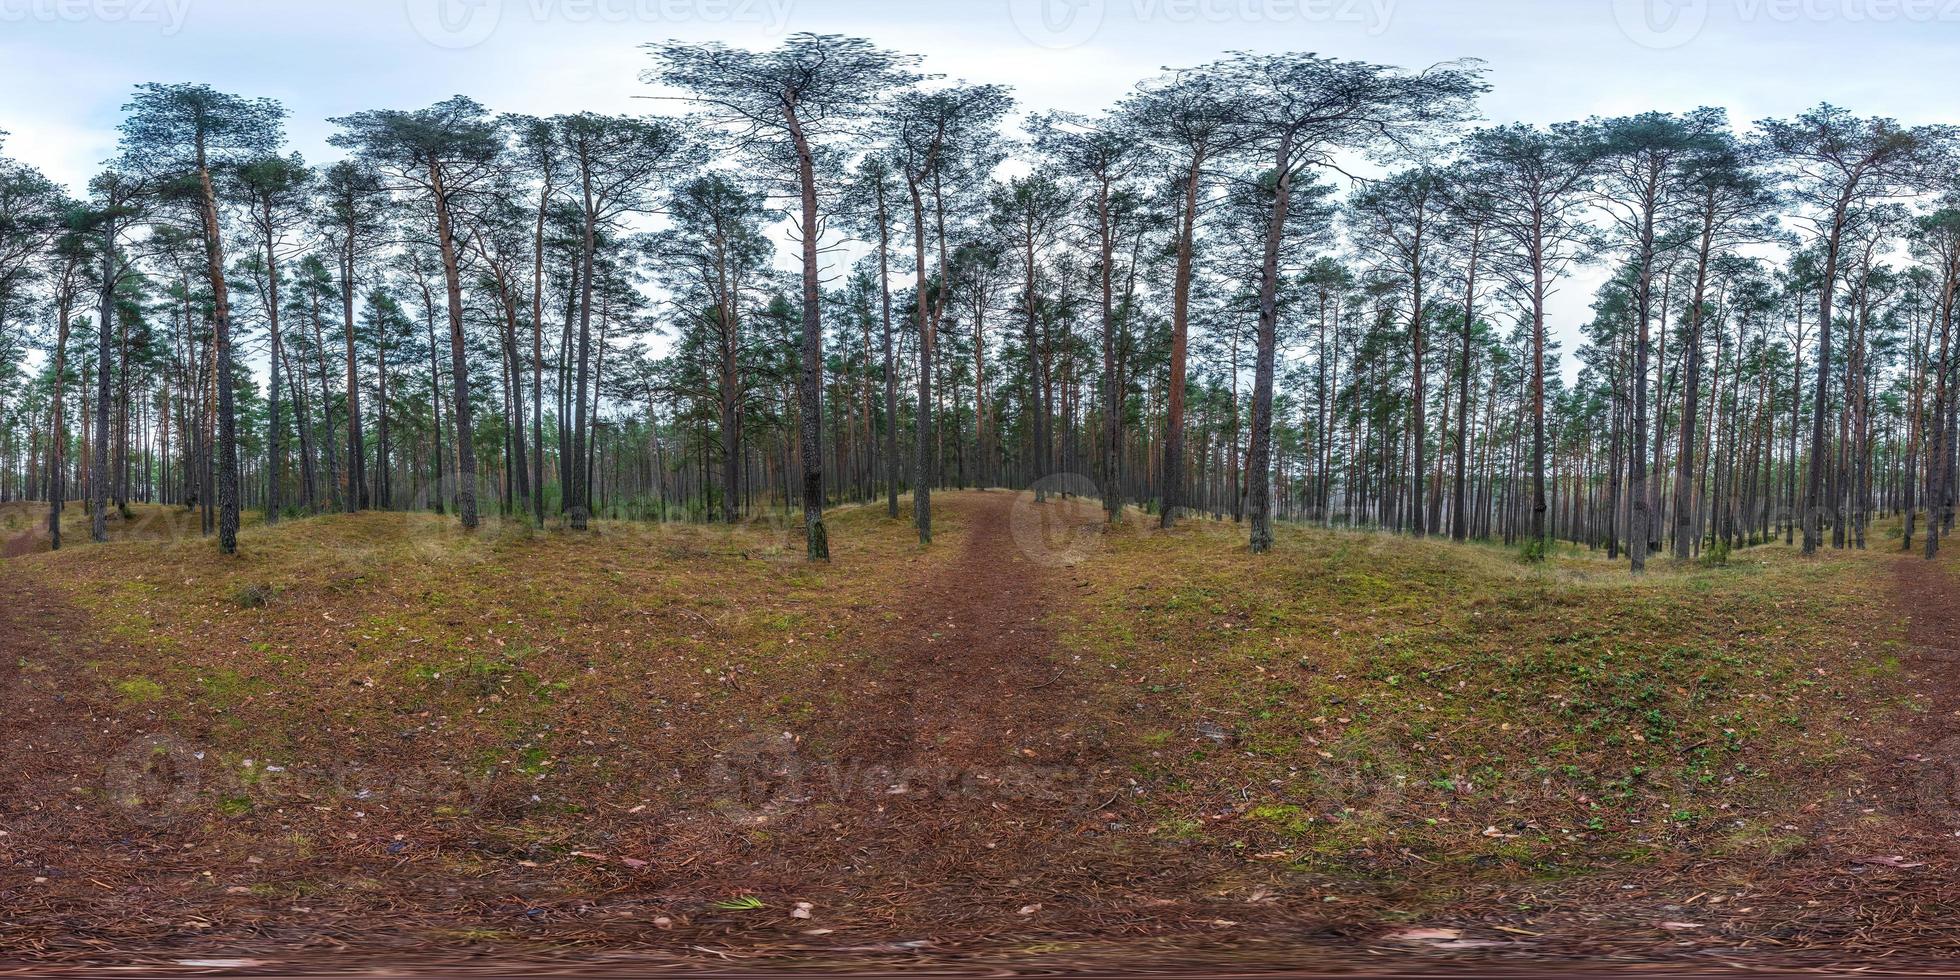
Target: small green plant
point(253, 596)
point(138, 690)
point(745, 903)
point(1284, 816)
point(1534, 551)
point(1182, 830)
point(1716, 555)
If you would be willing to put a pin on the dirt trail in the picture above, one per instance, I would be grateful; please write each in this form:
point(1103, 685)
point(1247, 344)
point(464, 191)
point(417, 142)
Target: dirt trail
point(1927, 596)
point(970, 784)
point(972, 743)
point(972, 773)
point(970, 673)
point(45, 644)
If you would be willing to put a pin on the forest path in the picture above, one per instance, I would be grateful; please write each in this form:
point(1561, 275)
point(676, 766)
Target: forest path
point(971, 768)
point(968, 668)
point(57, 734)
point(1927, 597)
point(46, 644)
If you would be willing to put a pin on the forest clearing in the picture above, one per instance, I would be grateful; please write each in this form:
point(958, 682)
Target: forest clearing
point(374, 734)
point(1215, 487)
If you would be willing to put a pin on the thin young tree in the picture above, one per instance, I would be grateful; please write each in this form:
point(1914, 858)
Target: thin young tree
point(440, 155)
point(1467, 217)
point(1027, 214)
point(500, 237)
point(1638, 166)
point(783, 108)
point(1299, 112)
point(179, 135)
point(1834, 163)
point(536, 155)
point(1537, 177)
point(351, 216)
point(946, 143)
point(1397, 220)
point(69, 257)
point(869, 199)
point(1103, 156)
point(1187, 117)
point(1725, 205)
point(274, 190)
point(714, 255)
point(615, 166)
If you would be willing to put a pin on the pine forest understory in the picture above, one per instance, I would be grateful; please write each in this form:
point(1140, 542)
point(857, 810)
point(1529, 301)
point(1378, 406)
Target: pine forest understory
point(844, 514)
point(1269, 287)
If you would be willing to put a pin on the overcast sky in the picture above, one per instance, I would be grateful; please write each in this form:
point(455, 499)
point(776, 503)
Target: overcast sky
point(67, 66)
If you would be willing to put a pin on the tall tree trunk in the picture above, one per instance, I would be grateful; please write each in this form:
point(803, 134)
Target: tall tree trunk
point(1684, 460)
point(57, 429)
point(810, 378)
point(1259, 458)
point(923, 474)
point(1814, 481)
point(730, 424)
point(1938, 449)
point(1112, 489)
point(580, 488)
point(99, 463)
point(1459, 517)
point(1537, 385)
point(1640, 529)
point(537, 356)
point(214, 261)
point(891, 365)
point(1173, 476)
point(275, 438)
point(458, 357)
point(1037, 370)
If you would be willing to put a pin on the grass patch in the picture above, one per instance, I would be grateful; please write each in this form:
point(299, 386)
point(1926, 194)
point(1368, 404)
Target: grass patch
point(1390, 697)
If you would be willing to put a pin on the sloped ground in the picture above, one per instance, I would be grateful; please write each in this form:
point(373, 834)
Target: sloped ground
point(1037, 742)
point(24, 525)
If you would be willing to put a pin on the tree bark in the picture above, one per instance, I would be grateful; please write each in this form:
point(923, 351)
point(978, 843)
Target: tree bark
point(214, 260)
point(458, 358)
point(1814, 480)
point(1173, 476)
point(1459, 518)
point(1259, 457)
point(810, 379)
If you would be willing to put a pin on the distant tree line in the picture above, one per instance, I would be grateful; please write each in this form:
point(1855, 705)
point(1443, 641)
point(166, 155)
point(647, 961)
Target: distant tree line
point(1273, 286)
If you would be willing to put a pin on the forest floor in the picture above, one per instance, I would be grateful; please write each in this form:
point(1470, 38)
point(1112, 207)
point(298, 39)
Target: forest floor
point(1040, 743)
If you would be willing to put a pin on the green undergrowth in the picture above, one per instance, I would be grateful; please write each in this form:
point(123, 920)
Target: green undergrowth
point(1351, 704)
point(1357, 702)
point(397, 646)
